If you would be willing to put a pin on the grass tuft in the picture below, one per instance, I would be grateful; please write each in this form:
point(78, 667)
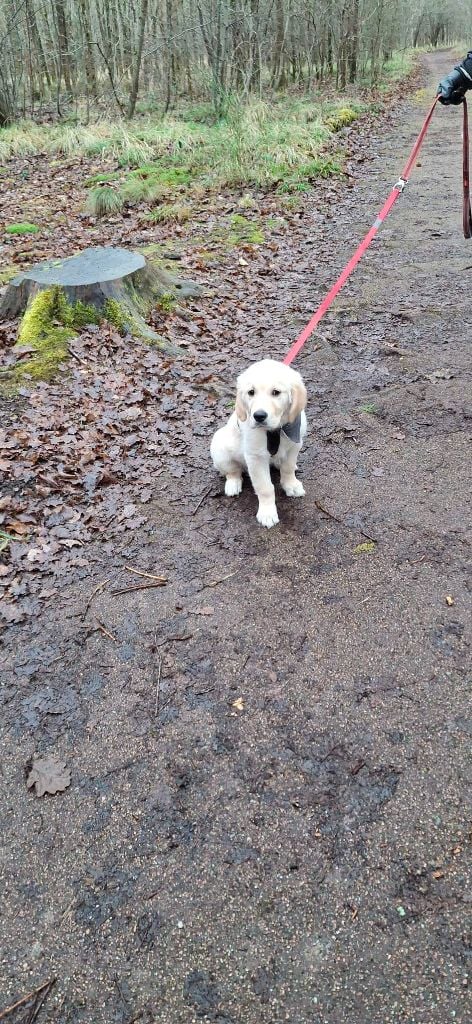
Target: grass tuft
point(170, 213)
point(104, 201)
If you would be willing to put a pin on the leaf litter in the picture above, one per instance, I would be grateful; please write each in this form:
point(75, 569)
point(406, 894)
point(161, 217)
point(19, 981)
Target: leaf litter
point(81, 455)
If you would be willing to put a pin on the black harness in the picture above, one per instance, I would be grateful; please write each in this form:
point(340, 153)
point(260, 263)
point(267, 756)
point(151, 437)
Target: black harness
point(291, 430)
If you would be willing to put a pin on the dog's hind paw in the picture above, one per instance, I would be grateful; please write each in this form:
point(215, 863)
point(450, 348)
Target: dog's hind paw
point(267, 517)
point(233, 486)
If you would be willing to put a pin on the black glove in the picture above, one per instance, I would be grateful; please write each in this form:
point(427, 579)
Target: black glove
point(453, 87)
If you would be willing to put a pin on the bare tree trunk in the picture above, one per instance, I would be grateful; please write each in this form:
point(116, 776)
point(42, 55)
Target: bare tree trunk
point(38, 44)
point(278, 58)
point(353, 40)
point(170, 59)
point(139, 56)
point(63, 41)
point(90, 73)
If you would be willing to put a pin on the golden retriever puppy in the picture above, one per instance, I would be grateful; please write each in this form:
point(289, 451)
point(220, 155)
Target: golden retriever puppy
point(266, 429)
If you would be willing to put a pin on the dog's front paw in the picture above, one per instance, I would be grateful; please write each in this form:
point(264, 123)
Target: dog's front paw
point(293, 488)
point(233, 486)
point(268, 516)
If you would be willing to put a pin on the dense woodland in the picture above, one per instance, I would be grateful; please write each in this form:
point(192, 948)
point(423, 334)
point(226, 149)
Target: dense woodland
point(104, 54)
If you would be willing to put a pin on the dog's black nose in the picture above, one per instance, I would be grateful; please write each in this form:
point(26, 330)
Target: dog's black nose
point(260, 415)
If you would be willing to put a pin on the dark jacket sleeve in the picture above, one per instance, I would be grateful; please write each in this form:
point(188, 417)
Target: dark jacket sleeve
point(465, 69)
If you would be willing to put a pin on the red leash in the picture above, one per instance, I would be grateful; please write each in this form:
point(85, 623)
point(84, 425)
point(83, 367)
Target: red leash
point(467, 211)
point(395, 193)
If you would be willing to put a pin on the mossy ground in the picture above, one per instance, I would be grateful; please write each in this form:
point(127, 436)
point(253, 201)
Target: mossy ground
point(22, 228)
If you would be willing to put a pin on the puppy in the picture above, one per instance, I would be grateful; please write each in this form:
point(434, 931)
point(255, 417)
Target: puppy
point(266, 429)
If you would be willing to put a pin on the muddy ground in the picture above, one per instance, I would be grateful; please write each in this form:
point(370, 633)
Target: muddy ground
point(269, 811)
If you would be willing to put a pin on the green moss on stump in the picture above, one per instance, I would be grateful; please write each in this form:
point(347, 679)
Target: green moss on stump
point(166, 302)
point(48, 325)
point(43, 330)
point(119, 317)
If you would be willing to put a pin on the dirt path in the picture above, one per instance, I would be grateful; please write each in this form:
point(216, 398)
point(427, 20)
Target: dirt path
point(267, 819)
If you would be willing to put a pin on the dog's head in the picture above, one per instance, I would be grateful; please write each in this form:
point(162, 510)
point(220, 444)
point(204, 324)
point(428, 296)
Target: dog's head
point(269, 394)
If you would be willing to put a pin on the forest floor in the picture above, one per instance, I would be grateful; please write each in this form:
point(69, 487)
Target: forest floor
point(267, 818)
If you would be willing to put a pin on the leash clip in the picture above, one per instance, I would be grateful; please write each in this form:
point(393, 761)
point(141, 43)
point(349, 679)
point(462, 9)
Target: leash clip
point(400, 184)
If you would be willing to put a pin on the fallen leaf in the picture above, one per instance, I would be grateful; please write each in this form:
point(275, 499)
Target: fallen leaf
point(11, 612)
point(366, 548)
point(238, 704)
point(449, 600)
point(49, 775)
point(21, 529)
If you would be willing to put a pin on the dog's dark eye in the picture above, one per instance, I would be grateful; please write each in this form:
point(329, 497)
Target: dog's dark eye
point(275, 392)
point(251, 393)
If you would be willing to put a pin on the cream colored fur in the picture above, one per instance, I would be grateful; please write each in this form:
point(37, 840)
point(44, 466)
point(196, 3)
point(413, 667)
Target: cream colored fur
point(273, 389)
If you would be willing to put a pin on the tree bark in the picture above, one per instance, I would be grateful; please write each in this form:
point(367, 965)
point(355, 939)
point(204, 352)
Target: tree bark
point(63, 45)
point(139, 56)
point(90, 73)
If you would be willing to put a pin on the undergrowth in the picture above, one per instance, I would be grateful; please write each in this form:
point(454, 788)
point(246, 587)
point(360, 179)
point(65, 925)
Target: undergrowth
point(258, 143)
point(170, 213)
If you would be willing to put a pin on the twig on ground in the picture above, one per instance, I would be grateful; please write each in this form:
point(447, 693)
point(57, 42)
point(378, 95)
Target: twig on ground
point(94, 593)
point(120, 990)
point(25, 999)
point(336, 519)
point(105, 631)
point(158, 688)
point(140, 586)
point(215, 583)
point(40, 999)
point(121, 767)
point(148, 575)
point(76, 356)
point(202, 499)
point(169, 639)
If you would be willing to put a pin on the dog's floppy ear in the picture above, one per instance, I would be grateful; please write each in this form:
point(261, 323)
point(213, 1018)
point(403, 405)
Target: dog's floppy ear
point(299, 397)
point(240, 408)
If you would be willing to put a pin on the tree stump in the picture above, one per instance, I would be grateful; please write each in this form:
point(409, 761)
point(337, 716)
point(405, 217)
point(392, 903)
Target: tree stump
point(59, 297)
point(117, 283)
